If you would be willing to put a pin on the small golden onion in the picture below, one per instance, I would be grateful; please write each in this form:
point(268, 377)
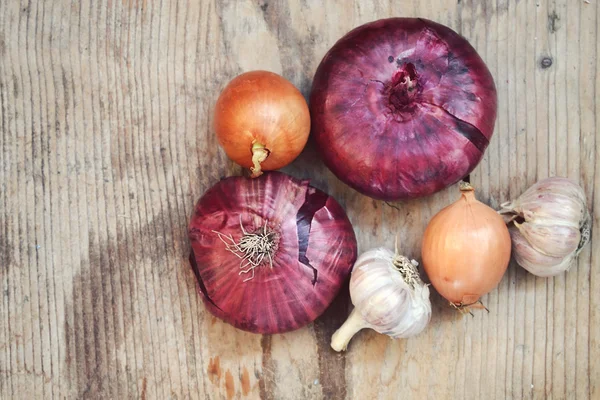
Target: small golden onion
point(261, 121)
point(466, 249)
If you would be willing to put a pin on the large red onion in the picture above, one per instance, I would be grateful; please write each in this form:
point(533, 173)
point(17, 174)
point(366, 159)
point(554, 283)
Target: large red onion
point(402, 108)
point(313, 250)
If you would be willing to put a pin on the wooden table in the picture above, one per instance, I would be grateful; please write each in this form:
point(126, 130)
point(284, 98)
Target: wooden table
point(106, 144)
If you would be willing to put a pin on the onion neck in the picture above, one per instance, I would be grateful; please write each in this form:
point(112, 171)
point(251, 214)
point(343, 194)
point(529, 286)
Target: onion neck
point(259, 155)
point(465, 187)
point(341, 337)
point(467, 191)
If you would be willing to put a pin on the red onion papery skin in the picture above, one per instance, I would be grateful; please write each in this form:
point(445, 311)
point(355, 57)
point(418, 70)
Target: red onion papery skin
point(316, 252)
point(391, 141)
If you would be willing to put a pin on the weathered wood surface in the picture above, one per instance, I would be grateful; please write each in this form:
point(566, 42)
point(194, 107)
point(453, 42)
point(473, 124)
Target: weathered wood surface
point(105, 144)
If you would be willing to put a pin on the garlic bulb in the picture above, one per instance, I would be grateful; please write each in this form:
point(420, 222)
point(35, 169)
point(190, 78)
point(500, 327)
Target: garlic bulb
point(388, 295)
point(550, 225)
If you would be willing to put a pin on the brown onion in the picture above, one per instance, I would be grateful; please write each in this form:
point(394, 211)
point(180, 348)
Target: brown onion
point(261, 121)
point(466, 249)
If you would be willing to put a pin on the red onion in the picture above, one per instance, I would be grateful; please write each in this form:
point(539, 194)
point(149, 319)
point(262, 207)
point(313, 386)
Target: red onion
point(402, 108)
point(269, 253)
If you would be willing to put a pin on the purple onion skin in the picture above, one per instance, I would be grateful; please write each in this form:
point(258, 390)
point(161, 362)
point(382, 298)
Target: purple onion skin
point(316, 252)
point(389, 140)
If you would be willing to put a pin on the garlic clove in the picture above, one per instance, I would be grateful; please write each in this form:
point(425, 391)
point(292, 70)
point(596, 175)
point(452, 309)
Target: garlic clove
point(555, 186)
point(553, 199)
point(547, 209)
point(556, 200)
point(553, 240)
point(534, 261)
point(341, 337)
point(413, 322)
point(562, 266)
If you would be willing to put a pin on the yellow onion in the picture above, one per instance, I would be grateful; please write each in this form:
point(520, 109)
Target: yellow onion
point(261, 121)
point(466, 249)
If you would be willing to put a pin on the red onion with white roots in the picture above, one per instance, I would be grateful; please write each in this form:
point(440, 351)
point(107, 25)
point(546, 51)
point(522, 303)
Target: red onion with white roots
point(269, 253)
point(402, 108)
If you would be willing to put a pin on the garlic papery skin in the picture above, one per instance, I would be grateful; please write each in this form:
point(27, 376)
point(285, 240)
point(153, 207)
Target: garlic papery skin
point(551, 240)
point(534, 261)
point(388, 296)
point(550, 201)
point(549, 224)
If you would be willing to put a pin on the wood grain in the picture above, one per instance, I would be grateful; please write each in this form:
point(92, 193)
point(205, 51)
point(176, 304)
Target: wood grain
point(105, 145)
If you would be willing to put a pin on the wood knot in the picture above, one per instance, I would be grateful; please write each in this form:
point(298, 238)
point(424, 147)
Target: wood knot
point(546, 62)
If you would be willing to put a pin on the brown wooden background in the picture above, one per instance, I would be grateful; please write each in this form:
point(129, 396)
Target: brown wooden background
point(105, 145)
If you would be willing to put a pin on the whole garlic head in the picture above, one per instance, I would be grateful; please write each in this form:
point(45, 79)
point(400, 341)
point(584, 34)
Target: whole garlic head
point(388, 295)
point(550, 225)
